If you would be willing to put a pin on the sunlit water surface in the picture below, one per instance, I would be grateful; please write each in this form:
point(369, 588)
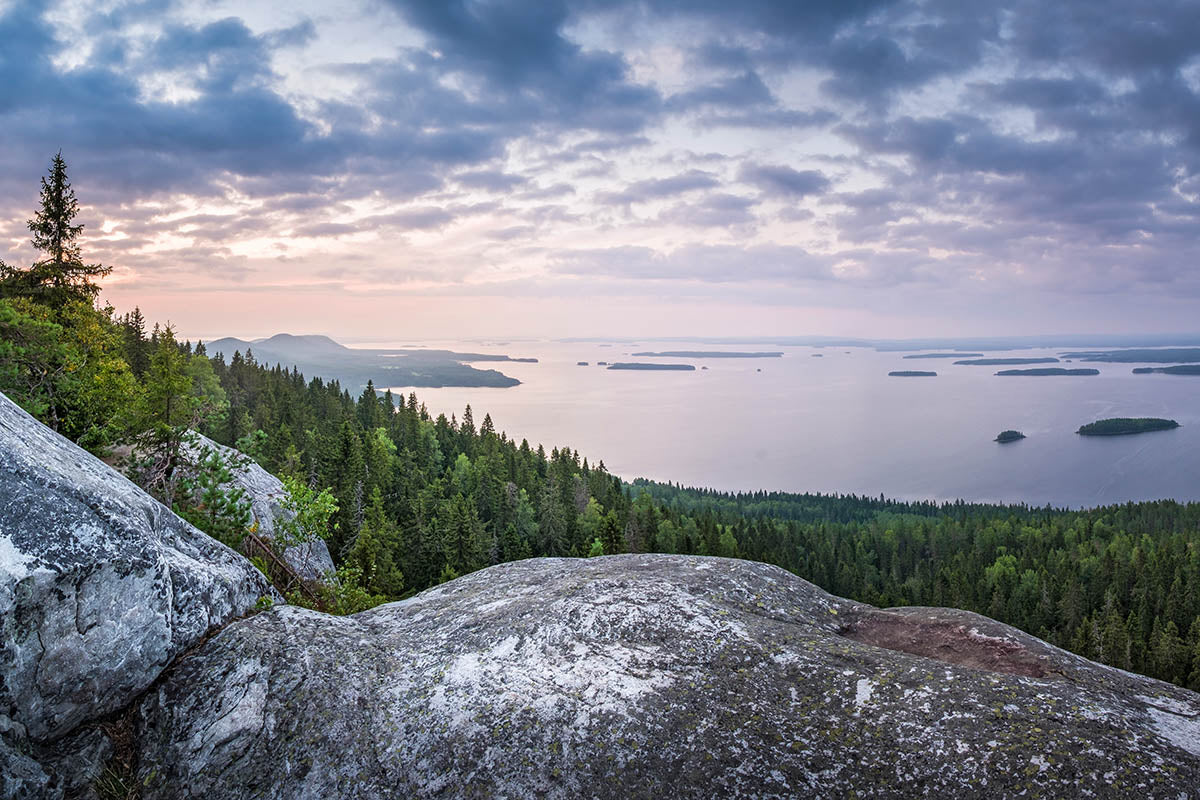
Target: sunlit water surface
point(839, 423)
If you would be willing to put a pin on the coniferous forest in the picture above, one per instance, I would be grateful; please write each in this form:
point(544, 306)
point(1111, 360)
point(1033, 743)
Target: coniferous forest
point(407, 499)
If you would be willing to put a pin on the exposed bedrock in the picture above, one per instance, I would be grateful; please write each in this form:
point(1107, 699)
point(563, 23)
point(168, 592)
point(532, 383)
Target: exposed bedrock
point(100, 588)
point(654, 676)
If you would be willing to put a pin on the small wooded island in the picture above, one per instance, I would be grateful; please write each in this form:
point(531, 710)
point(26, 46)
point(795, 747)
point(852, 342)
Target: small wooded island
point(708, 354)
point(1181, 369)
point(999, 362)
point(912, 373)
point(946, 355)
point(640, 365)
point(1009, 436)
point(1049, 371)
point(1121, 426)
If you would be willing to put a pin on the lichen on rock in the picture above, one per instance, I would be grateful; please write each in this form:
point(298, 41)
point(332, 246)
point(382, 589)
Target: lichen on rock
point(652, 676)
point(101, 587)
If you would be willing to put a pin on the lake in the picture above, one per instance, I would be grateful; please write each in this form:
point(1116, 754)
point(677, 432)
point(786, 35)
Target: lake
point(839, 423)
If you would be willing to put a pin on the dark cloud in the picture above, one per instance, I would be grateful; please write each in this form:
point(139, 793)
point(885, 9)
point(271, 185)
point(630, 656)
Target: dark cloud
point(1045, 134)
point(783, 181)
point(490, 180)
point(658, 188)
point(739, 91)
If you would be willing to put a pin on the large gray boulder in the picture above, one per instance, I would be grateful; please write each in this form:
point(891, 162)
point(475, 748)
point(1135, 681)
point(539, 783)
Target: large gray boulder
point(310, 560)
point(654, 676)
point(101, 587)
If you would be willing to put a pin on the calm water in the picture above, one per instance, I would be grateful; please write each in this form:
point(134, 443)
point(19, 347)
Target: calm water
point(838, 423)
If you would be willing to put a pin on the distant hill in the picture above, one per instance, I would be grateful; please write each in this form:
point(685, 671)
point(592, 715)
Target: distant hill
point(412, 367)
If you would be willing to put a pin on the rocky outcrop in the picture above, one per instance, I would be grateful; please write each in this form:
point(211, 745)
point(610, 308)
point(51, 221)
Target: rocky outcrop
point(310, 560)
point(101, 587)
point(654, 676)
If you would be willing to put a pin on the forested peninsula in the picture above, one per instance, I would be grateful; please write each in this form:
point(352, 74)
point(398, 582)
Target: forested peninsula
point(405, 367)
point(407, 499)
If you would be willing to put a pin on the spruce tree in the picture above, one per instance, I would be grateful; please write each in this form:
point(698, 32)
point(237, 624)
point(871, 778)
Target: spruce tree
point(61, 277)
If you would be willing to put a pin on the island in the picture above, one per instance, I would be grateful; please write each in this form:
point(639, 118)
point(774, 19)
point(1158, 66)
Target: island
point(997, 362)
point(946, 355)
point(1151, 355)
point(818, 355)
point(1122, 426)
point(581, 363)
point(1009, 436)
point(1048, 371)
point(1181, 369)
point(708, 354)
point(912, 373)
point(642, 366)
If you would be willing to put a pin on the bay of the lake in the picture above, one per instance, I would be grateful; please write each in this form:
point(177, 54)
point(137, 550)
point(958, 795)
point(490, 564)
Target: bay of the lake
point(838, 423)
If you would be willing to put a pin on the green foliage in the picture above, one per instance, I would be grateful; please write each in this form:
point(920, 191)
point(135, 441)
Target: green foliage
point(65, 367)
point(207, 499)
point(597, 548)
point(116, 783)
point(33, 362)
point(253, 444)
point(167, 409)
point(62, 277)
point(310, 512)
point(341, 594)
point(377, 550)
point(260, 564)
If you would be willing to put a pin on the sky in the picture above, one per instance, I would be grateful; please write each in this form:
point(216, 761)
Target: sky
point(405, 169)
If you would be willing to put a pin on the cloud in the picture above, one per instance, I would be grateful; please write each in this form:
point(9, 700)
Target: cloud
point(739, 91)
point(783, 181)
point(490, 180)
point(933, 143)
point(707, 263)
point(658, 188)
point(718, 210)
